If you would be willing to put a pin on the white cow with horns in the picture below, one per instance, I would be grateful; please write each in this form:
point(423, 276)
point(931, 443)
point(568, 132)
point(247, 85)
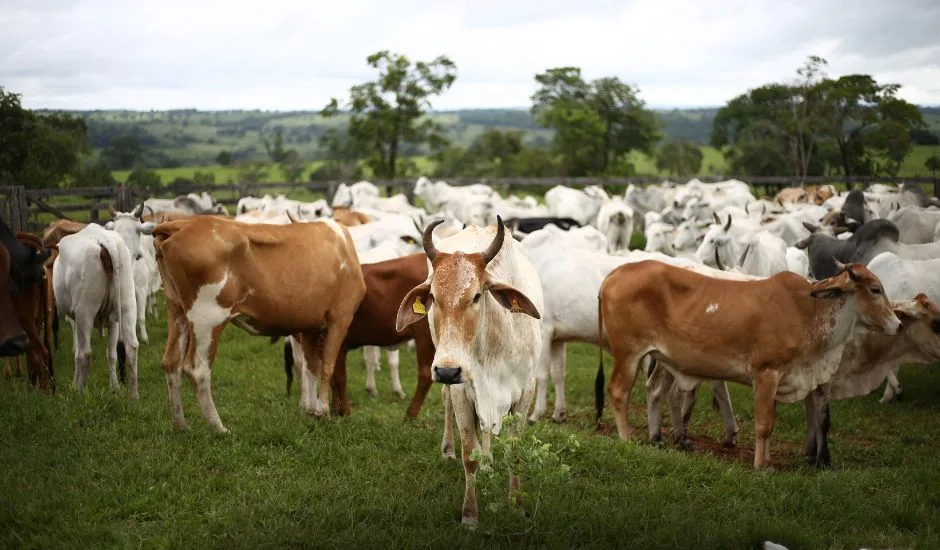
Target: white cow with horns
point(482, 299)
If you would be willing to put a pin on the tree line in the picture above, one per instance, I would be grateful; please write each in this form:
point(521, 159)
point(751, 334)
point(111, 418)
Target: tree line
point(807, 125)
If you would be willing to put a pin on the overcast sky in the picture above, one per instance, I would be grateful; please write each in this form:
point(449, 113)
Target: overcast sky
point(296, 54)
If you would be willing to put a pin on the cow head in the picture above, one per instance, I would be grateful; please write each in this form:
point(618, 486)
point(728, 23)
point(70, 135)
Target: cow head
point(457, 297)
point(129, 227)
point(920, 319)
point(13, 339)
point(718, 242)
point(871, 303)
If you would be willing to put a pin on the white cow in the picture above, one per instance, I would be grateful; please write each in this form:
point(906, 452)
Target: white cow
point(482, 299)
point(130, 229)
point(903, 280)
point(93, 280)
point(440, 195)
point(355, 195)
point(615, 221)
point(582, 206)
point(369, 235)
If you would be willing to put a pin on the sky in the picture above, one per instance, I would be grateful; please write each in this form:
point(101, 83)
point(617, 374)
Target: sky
point(297, 54)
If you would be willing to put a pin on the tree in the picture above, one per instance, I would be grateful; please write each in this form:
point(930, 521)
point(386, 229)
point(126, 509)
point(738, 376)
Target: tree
point(292, 166)
point(389, 112)
point(224, 158)
point(38, 150)
point(124, 152)
point(679, 158)
point(142, 177)
point(595, 123)
point(252, 172)
point(933, 163)
point(275, 148)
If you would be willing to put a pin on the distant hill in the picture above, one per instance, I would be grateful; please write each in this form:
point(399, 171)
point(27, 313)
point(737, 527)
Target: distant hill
point(191, 137)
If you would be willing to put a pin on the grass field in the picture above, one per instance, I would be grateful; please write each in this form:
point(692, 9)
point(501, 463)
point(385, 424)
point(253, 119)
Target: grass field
point(96, 470)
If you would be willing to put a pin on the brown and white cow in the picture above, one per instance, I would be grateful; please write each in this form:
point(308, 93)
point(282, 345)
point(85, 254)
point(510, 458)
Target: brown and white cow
point(271, 280)
point(482, 300)
point(782, 335)
point(349, 217)
point(387, 283)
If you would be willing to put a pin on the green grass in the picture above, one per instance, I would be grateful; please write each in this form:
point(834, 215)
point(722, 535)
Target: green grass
point(96, 470)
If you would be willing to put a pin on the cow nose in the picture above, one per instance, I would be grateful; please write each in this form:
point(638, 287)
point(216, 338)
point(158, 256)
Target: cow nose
point(138, 256)
point(448, 375)
point(14, 346)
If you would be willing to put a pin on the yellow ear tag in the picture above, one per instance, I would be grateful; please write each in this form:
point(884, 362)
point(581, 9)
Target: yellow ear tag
point(418, 307)
point(514, 307)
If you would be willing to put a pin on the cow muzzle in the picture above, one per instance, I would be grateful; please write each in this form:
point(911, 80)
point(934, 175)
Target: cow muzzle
point(448, 375)
point(14, 346)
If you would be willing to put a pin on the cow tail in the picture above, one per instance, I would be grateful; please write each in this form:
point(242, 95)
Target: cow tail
point(113, 266)
point(288, 363)
point(55, 325)
point(47, 345)
point(599, 380)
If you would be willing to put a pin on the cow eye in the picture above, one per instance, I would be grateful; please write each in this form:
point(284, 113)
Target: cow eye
point(876, 290)
point(935, 326)
point(476, 297)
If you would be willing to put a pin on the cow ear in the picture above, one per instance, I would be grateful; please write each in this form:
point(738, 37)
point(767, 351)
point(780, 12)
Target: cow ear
point(833, 287)
point(513, 299)
point(810, 227)
point(802, 245)
point(145, 228)
point(414, 306)
point(109, 225)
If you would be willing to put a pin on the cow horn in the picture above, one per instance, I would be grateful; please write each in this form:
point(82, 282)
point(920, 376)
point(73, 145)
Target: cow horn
point(429, 249)
point(743, 255)
point(493, 249)
point(717, 219)
point(718, 260)
point(139, 212)
point(728, 225)
point(290, 216)
point(839, 265)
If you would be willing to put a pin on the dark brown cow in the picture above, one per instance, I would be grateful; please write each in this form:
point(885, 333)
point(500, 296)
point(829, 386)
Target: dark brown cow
point(387, 283)
point(30, 306)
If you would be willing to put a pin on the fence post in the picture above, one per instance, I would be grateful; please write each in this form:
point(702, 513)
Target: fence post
point(331, 187)
point(93, 215)
point(19, 209)
point(124, 198)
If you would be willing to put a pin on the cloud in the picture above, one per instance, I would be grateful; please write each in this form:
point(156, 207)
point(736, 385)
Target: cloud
point(290, 54)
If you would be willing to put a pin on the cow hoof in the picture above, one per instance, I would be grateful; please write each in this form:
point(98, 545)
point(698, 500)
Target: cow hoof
point(560, 417)
point(731, 441)
point(685, 444)
point(372, 392)
point(180, 427)
point(656, 441)
point(469, 522)
point(400, 394)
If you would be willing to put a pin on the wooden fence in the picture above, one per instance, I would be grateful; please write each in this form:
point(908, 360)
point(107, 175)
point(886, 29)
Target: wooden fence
point(32, 209)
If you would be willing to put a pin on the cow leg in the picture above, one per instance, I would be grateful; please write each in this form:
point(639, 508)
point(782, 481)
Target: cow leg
point(809, 442)
point(371, 355)
point(114, 334)
point(542, 367)
point(393, 359)
point(765, 414)
point(447, 442)
point(722, 400)
point(622, 379)
point(204, 341)
point(424, 351)
point(332, 341)
point(142, 315)
point(467, 424)
point(521, 407)
point(892, 387)
point(340, 405)
point(81, 341)
point(177, 343)
point(658, 384)
point(820, 412)
point(558, 380)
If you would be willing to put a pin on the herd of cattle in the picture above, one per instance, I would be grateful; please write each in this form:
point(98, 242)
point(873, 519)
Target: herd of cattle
point(814, 295)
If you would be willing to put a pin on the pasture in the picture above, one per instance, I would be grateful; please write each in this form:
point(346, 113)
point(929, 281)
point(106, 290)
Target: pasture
point(96, 470)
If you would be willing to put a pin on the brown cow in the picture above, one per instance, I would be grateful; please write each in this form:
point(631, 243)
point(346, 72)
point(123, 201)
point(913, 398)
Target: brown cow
point(30, 305)
point(271, 280)
point(783, 335)
point(387, 283)
point(13, 339)
point(349, 217)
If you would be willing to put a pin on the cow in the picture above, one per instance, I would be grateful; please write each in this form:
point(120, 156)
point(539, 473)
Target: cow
point(130, 227)
point(524, 226)
point(300, 279)
point(915, 225)
point(825, 251)
point(867, 361)
point(440, 195)
point(387, 282)
point(582, 206)
point(571, 278)
point(13, 339)
point(783, 335)
point(93, 278)
point(51, 236)
point(615, 221)
point(904, 279)
point(482, 300)
point(349, 217)
point(351, 196)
